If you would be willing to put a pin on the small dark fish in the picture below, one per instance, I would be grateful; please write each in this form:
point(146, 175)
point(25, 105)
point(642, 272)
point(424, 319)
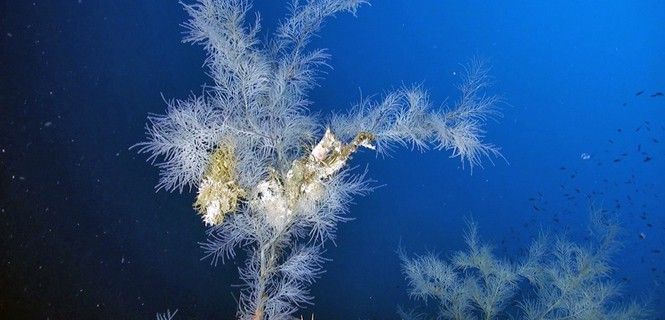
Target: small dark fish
point(657, 94)
point(624, 104)
point(610, 141)
point(647, 159)
point(536, 208)
point(649, 225)
point(616, 160)
point(655, 251)
point(642, 236)
point(619, 130)
point(562, 168)
point(655, 140)
point(624, 154)
point(639, 93)
point(532, 199)
point(638, 128)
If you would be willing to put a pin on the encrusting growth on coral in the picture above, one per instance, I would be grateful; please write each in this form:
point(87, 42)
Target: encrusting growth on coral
point(303, 185)
point(219, 192)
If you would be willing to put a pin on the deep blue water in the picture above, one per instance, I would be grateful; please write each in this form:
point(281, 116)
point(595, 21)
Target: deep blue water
point(84, 235)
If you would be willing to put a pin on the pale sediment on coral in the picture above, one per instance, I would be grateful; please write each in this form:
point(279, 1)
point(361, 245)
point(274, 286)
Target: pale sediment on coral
point(280, 197)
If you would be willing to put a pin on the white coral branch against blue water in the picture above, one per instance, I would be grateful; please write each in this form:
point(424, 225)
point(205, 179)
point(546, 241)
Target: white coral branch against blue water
point(405, 117)
point(183, 138)
point(267, 177)
point(168, 315)
point(564, 280)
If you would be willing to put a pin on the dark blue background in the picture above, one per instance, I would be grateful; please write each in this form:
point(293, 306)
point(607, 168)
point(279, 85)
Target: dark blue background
point(83, 235)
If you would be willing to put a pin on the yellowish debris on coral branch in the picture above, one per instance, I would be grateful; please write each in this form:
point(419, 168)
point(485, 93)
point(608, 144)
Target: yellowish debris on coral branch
point(278, 197)
point(218, 193)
